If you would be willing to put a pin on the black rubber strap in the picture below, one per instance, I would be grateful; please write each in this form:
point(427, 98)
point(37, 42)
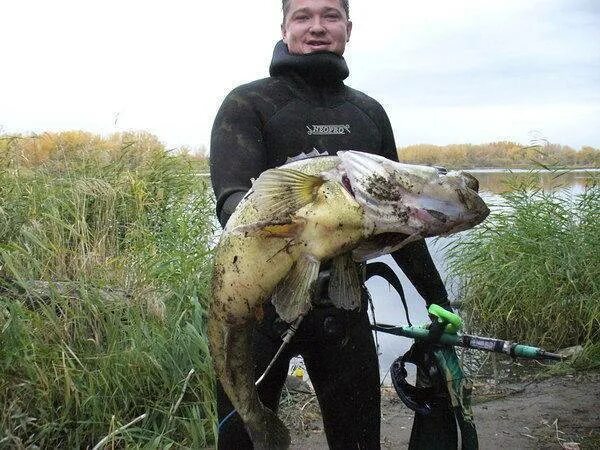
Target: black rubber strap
point(379, 268)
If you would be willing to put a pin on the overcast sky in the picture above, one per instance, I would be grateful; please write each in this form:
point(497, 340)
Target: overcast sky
point(446, 71)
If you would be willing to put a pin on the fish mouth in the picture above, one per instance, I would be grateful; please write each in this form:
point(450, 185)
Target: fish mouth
point(379, 245)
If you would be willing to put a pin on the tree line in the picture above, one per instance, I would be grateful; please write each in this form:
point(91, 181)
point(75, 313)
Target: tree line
point(501, 154)
point(51, 148)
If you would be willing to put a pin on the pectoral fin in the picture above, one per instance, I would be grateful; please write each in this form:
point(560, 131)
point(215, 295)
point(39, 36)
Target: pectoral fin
point(344, 283)
point(293, 295)
point(281, 192)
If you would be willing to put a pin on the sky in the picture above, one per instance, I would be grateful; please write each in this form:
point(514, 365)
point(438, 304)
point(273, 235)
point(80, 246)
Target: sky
point(461, 71)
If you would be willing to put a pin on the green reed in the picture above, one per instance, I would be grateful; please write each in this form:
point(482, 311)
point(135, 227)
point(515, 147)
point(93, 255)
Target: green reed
point(104, 268)
point(531, 271)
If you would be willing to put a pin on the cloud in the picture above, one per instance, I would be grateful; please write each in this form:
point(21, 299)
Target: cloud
point(487, 71)
point(570, 123)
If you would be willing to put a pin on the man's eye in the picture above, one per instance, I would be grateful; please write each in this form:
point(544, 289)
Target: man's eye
point(332, 16)
point(301, 18)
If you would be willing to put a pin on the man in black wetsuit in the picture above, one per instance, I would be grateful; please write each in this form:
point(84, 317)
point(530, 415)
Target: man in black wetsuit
point(305, 105)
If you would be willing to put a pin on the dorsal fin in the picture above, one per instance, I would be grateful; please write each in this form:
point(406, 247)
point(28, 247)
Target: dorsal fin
point(312, 154)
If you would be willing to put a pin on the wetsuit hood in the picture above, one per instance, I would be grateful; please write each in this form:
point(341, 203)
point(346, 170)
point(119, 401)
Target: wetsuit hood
point(315, 68)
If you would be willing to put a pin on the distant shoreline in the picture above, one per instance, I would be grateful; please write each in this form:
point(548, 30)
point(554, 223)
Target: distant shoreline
point(503, 170)
point(529, 169)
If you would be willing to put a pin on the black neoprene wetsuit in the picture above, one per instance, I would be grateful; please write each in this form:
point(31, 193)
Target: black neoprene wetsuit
point(304, 105)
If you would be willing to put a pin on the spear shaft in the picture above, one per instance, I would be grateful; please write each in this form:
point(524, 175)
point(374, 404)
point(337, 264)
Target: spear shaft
point(469, 341)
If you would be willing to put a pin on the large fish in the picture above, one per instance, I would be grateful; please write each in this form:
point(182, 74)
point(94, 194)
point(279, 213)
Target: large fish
point(343, 208)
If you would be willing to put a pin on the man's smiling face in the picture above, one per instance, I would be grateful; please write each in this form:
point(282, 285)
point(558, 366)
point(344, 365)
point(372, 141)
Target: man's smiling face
point(316, 25)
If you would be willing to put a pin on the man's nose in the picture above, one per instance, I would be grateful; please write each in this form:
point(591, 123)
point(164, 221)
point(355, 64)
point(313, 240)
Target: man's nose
point(316, 26)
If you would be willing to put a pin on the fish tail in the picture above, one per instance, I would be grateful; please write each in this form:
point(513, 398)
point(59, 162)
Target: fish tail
point(269, 433)
point(231, 350)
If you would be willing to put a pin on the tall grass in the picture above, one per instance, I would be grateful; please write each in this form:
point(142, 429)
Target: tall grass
point(531, 272)
point(104, 266)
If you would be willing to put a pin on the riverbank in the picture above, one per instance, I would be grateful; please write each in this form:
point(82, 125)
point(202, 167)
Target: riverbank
point(554, 413)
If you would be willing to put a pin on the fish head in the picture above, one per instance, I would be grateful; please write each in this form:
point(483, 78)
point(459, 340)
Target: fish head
point(411, 199)
point(460, 193)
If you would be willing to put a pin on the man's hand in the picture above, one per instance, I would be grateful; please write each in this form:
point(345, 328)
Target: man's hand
point(229, 206)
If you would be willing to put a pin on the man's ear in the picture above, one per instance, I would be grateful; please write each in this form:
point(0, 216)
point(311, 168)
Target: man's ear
point(283, 33)
point(349, 30)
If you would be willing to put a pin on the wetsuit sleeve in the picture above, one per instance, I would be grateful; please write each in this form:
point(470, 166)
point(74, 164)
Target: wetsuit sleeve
point(388, 143)
point(237, 152)
point(414, 259)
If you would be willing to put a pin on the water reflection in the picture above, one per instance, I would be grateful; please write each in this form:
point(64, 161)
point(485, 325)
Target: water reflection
point(498, 181)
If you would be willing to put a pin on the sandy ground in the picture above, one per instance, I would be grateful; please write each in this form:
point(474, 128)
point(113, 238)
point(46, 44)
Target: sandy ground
point(561, 412)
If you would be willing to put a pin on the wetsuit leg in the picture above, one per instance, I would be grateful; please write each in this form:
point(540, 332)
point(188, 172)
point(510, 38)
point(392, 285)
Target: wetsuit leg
point(345, 376)
point(232, 433)
point(436, 431)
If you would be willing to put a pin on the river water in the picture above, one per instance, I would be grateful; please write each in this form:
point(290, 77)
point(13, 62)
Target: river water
point(387, 303)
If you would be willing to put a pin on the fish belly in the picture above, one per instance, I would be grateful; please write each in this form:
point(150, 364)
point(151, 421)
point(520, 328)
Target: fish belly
point(246, 271)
